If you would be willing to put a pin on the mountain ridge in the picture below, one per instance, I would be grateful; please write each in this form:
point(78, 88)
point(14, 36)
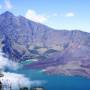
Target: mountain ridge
point(53, 51)
point(26, 28)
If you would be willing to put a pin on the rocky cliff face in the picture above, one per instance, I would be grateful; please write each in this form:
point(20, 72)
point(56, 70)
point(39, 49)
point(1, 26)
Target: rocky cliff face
point(20, 35)
point(22, 39)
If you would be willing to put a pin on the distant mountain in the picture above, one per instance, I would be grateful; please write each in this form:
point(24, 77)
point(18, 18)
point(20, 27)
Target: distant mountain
point(53, 51)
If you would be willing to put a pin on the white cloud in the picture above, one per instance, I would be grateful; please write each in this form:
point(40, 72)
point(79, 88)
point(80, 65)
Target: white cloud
point(34, 16)
point(16, 80)
point(70, 14)
point(0, 6)
point(8, 4)
point(12, 77)
point(5, 63)
point(19, 80)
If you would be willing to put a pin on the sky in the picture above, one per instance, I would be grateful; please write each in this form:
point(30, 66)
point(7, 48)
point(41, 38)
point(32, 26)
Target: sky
point(58, 14)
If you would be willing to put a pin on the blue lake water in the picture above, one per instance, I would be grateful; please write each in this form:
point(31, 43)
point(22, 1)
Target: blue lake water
point(57, 82)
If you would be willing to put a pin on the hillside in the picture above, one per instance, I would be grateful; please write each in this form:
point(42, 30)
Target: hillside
point(60, 51)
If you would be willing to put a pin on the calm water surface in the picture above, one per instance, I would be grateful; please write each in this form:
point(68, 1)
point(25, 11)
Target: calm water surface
point(58, 82)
